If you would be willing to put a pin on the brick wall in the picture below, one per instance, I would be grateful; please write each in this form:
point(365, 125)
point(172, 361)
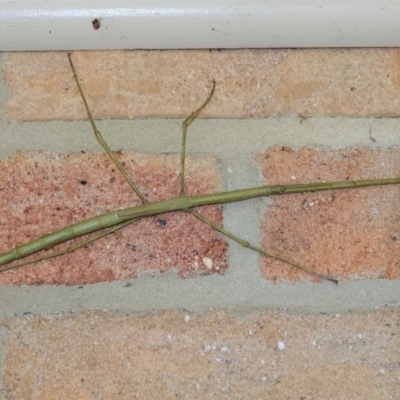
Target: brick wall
point(167, 307)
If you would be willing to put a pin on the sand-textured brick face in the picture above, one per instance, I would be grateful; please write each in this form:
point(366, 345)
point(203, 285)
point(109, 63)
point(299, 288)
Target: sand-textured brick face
point(250, 83)
point(175, 355)
point(44, 192)
point(349, 234)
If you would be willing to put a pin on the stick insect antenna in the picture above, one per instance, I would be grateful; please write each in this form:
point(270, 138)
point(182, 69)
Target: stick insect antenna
point(185, 125)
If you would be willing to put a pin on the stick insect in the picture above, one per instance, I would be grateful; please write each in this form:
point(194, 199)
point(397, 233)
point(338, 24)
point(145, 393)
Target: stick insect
point(112, 221)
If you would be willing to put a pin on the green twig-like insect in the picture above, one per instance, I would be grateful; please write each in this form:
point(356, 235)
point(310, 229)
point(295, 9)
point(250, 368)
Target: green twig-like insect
point(114, 220)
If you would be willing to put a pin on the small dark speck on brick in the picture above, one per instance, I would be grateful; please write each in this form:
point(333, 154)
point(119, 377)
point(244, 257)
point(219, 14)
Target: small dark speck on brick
point(161, 222)
point(83, 181)
point(131, 246)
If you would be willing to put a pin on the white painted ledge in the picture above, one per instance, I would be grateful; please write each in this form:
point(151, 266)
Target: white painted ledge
point(193, 24)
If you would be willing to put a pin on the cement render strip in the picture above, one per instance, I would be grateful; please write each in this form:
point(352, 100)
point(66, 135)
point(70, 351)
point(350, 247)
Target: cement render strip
point(213, 136)
point(168, 293)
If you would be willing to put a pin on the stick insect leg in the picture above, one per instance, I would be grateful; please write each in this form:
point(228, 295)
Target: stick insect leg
point(265, 253)
point(100, 139)
point(70, 248)
point(185, 125)
point(105, 146)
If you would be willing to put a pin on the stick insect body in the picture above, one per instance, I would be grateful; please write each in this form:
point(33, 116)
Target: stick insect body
point(110, 222)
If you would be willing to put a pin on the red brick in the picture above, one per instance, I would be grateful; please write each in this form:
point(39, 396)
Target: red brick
point(250, 83)
point(351, 233)
point(169, 355)
point(44, 192)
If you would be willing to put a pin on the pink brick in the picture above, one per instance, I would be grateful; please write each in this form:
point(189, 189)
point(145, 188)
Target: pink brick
point(44, 192)
point(250, 83)
point(351, 233)
point(169, 355)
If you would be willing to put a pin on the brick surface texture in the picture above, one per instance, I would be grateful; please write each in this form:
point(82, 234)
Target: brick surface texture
point(344, 233)
point(169, 355)
point(350, 234)
point(251, 83)
point(47, 192)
